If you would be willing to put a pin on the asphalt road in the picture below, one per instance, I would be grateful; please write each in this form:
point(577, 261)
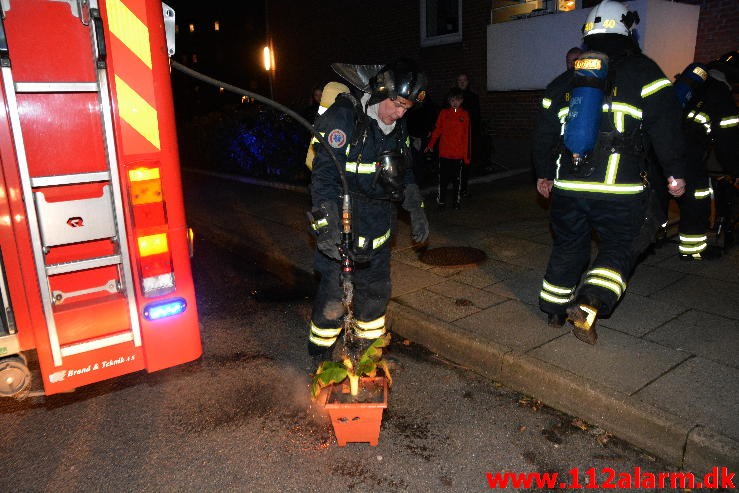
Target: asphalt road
point(239, 419)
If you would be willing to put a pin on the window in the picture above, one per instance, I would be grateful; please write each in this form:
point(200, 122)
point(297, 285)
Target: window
point(441, 22)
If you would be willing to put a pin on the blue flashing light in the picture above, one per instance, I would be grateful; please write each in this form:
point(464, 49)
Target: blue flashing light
point(164, 309)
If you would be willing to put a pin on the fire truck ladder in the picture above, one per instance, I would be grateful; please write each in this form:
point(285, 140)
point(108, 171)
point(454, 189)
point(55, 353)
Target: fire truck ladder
point(49, 222)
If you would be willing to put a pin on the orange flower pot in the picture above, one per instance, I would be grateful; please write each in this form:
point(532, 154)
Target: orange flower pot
point(357, 419)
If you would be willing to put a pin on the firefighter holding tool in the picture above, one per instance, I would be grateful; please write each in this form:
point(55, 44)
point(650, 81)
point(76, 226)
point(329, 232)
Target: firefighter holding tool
point(369, 138)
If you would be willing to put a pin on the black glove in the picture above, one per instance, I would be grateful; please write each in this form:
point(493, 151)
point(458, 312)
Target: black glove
point(413, 203)
point(324, 222)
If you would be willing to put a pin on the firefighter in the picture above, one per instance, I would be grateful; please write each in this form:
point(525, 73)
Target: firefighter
point(711, 120)
point(371, 141)
point(601, 188)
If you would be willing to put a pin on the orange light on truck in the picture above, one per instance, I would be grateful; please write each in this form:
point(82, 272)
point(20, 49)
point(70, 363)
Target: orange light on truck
point(146, 186)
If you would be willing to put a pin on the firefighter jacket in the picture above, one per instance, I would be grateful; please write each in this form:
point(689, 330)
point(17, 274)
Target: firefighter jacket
point(357, 142)
point(712, 119)
point(639, 109)
point(452, 130)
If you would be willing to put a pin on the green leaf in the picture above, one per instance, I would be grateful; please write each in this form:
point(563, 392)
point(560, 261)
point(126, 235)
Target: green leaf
point(330, 372)
point(365, 367)
point(374, 352)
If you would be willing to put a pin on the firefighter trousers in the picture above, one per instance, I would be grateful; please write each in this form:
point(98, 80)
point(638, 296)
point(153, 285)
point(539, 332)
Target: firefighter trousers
point(617, 224)
point(371, 294)
point(695, 210)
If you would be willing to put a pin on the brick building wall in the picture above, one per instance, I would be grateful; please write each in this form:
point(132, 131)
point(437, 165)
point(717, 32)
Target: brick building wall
point(718, 28)
point(309, 36)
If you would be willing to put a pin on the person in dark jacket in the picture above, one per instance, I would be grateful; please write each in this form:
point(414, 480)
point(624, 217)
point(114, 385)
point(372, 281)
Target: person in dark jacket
point(711, 121)
point(471, 103)
point(367, 137)
point(603, 190)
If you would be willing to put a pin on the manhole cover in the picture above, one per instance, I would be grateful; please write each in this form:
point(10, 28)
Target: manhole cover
point(453, 256)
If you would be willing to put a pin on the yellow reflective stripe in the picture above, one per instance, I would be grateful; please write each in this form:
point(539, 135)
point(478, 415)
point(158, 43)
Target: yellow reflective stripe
point(322, 342)
point(604, 283)
point(699, 117)
point(612, 168)
point(692, 238)
point(618, 120)
point(623, 107)
point(370, 334)
point(546, 103)
point(584, 186)
point(360, 168)
point(730, 121)
point(372, 324)
point(138, 113)
point(329, 332)
point(360, 241)
point(561, 114)
point(132, 32)
point(692, 247)
point(323, 222)
point(556, 289)
point(558, 300)
point(609, 274)
point(703, 193)
point(655, 86)
point(378, 242)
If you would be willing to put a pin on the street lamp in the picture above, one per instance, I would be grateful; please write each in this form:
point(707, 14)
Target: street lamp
point(268, 57)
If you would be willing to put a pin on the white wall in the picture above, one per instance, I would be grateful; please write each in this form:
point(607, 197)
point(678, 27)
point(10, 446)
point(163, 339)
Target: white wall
point(527, 54)
point(671, 34)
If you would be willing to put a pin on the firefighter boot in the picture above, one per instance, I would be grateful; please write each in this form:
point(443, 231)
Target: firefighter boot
point(711, 252)
point(583, 318)
point(317, 355)
point(556, 320)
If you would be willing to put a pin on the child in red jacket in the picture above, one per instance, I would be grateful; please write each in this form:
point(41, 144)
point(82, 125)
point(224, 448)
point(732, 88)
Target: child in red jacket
point(452, 130)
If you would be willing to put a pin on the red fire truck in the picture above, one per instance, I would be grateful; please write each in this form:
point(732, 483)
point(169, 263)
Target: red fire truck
point(94, 248)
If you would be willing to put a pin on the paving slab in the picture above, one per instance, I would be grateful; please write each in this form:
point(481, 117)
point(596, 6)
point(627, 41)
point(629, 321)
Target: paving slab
point(620, 361)
point(406, 279)
point(648, 279)
point(701, 390)
point(709, 295)
point(462, 293)
point(437, 305)
point(486, 273)
point(704, 334)
point(511, 324)
point(504, 247)
point(523, 286)
point(636, 315)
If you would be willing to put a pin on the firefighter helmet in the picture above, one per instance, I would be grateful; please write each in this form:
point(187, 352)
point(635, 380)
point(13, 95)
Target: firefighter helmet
point(610, 17)
point(728, 63)
point(401, 78)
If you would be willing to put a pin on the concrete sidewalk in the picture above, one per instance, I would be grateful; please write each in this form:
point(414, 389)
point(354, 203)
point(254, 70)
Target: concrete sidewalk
point(664, 375)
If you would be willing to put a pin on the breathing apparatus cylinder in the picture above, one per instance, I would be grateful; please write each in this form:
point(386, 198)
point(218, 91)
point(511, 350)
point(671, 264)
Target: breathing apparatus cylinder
point(583, 118)
point(690, 81)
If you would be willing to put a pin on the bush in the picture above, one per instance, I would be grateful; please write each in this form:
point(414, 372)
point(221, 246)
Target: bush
point(250, 139)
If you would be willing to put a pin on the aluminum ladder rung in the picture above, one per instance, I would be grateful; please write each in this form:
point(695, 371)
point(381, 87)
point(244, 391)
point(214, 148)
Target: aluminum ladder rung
point(50, 181)
point(54, 87)
point(77, 265)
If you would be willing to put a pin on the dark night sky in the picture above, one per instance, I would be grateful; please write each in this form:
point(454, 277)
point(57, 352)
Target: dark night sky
point(232, 54)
